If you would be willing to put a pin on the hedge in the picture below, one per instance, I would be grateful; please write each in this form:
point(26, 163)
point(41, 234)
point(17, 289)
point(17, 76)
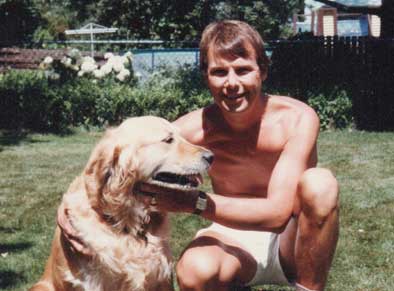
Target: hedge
point(30, 100)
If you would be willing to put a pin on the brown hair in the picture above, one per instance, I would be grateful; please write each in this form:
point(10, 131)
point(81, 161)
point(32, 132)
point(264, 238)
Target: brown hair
point(232, 37)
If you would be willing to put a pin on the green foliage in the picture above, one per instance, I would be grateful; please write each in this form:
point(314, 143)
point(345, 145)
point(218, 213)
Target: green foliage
point(30, 100)
point(173, 20)
point(270, 18)
point(167, 20)
point(19, 20)
point(334, 109)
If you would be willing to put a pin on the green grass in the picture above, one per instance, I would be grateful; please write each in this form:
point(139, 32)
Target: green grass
point(36, 169)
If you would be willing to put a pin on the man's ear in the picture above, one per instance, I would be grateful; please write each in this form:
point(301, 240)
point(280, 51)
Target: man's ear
point(205, 77)
point(263, 74)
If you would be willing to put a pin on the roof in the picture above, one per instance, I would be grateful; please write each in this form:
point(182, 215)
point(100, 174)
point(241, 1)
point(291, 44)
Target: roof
point(360, 2)
point(312, 4)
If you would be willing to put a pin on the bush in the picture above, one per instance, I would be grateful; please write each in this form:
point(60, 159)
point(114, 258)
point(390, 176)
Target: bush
point(28, 101)
point(334, 109)
point(39, 102)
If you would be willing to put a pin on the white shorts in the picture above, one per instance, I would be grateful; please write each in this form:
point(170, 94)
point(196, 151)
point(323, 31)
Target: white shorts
point(264, 248)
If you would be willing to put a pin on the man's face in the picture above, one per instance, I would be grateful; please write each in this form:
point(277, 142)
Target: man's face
point(234, 82)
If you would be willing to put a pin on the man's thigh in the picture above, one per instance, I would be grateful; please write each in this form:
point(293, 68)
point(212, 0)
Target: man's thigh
point(233, 263)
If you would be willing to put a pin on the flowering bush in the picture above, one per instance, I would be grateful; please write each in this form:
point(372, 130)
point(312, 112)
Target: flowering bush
point(75, 64)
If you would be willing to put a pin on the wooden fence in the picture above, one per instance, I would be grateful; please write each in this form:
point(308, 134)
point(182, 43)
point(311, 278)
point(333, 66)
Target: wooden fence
point(363, 66)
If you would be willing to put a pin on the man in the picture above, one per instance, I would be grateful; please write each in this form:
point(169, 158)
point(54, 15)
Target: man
point(275, 216)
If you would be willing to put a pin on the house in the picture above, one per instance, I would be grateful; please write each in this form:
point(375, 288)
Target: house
point(323, 20)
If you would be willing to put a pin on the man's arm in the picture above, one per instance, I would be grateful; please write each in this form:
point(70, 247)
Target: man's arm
point(267, 214)
point(272, 213)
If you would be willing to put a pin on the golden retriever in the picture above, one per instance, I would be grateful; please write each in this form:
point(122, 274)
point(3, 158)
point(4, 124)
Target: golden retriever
point(125, 232)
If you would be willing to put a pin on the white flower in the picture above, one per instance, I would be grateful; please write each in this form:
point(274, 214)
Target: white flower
point(117, 64)
point(138, 75)
point(129, 55)
point(106, 68)
point(123, 74)
point(125, 60)
point(66, 62)
point(48, 60)
point(99, 74)
point(81, 73)
point(74, 68)
point(54, 76)
point(75, 54)
point(88, 59)
point(88, 67)
point(108, 55)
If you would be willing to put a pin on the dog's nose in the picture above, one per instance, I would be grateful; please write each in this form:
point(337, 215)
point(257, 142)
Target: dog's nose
point(208, 157)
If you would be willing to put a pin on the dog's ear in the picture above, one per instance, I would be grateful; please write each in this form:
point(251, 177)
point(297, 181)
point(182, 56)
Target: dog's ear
point(110, 172)
point(122, 173)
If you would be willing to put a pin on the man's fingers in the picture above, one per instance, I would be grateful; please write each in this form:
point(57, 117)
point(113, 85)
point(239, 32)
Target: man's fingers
point(146, 189)
point(64, 222)
point(69, 232)
point(77, 246)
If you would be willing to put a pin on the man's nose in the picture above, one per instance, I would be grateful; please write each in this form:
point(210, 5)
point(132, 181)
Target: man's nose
point(232, 80)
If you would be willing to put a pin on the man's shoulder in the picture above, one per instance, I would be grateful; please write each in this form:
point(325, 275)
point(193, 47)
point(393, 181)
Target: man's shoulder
point(190, 126)
point(293, 110)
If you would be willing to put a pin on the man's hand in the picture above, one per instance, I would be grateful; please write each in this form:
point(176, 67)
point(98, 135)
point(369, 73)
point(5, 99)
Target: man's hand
point(168, 199)
point(70, 234)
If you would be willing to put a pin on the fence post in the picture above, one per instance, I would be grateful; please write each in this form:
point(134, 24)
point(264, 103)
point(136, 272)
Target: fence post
point(153, 59)
point(196, 60)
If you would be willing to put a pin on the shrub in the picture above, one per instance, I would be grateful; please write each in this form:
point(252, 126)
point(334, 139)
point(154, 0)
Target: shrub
point(334, 109)
point(40, 101)
point(28, 101)
point(37, 101)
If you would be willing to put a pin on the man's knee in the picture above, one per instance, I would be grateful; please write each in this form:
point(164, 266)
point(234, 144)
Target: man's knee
point(197, 268)
point(319, 192)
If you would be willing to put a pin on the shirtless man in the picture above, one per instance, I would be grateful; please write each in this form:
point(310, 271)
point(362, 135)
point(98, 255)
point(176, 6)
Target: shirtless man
point(275, 215)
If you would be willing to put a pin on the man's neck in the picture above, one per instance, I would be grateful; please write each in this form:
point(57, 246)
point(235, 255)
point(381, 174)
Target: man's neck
point(245, 120)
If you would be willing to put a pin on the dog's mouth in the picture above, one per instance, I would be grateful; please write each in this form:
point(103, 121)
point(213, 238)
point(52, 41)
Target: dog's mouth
point(177, 181)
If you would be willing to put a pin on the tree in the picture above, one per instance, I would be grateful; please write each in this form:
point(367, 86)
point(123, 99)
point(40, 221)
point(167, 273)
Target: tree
point(19, 19)
point(175, 20)
point(385, 11)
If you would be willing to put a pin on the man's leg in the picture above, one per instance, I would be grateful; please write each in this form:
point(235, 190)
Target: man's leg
point(309, 242)
point(214, 262)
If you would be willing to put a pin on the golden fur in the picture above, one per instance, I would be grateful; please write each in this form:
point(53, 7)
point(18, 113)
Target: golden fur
point(125, 232)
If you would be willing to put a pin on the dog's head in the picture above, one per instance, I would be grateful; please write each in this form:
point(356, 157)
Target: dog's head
point(141, 149)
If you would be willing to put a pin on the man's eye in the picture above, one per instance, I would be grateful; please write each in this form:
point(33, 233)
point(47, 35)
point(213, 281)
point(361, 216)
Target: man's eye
point(168, 140)
point(243, 71)
point(219, 72)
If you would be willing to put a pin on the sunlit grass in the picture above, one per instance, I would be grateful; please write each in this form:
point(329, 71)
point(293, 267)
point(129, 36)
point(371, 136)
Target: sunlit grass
point(36, 169)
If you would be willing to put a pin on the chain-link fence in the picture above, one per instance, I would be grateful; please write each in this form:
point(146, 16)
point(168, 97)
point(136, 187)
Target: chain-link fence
point(150, 57)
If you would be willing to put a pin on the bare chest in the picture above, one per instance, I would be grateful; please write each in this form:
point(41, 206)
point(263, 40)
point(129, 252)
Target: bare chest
point(244, 165)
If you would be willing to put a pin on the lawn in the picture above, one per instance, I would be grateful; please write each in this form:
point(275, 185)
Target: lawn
point(36, 169)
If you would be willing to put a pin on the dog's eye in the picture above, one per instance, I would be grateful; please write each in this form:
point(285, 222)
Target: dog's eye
point(168, 140)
